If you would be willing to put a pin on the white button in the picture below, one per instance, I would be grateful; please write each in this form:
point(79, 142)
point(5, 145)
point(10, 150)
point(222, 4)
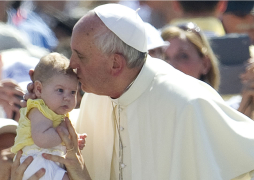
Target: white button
point(121, 128)
point(123, 165)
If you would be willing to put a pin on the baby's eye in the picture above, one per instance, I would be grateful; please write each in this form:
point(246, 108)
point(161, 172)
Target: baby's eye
point(73, 92)
point(60, 90)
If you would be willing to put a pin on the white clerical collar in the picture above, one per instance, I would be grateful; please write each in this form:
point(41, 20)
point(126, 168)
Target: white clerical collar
point(140, 84)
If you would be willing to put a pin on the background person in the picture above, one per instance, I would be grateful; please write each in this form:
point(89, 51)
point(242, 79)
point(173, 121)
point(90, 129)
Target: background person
point(190, 52)
point(239, 18)
point(7, 134)
point(244, 101)
point(32, 19)
point(206, 14)
point(10, 96)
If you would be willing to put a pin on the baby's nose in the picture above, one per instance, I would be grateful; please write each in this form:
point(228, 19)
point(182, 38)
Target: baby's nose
point(66, 97)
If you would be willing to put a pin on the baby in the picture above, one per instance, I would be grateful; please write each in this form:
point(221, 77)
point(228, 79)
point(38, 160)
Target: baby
point(55, 85)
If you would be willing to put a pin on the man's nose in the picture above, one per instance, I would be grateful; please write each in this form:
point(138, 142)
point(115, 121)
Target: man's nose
point(73, 63)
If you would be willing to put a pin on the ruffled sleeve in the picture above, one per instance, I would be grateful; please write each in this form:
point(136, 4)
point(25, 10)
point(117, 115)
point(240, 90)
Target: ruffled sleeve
point(44, 109)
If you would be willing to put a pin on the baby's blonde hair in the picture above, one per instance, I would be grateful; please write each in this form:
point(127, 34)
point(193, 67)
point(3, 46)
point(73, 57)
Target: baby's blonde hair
point(50, 65)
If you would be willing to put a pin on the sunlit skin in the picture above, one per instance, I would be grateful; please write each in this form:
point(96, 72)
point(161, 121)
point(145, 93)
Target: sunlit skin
point(93, 68)
point(157, 52)
point(59, 93)
point(98, 73)
point(183, 55)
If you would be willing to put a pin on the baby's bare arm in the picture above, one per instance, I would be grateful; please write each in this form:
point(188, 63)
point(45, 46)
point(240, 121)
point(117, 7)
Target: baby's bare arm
point(43, 133)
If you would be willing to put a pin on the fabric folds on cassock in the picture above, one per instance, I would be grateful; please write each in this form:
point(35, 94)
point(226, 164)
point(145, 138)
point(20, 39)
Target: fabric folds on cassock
point(174, 127)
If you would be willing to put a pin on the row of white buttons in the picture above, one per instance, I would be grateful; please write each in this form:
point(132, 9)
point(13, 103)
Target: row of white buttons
point(122, 165)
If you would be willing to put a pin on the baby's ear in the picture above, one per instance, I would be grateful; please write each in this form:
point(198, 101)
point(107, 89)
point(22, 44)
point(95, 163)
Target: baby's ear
point(37, 88)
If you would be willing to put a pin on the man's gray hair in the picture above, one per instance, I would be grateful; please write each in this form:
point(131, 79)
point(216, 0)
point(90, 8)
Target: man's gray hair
point(109, 43)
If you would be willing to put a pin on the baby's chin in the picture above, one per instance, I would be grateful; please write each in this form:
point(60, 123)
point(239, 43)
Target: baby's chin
point(62, 111)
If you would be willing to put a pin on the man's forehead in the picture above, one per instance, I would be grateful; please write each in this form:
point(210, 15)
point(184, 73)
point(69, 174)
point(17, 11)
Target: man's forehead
point(88, 22)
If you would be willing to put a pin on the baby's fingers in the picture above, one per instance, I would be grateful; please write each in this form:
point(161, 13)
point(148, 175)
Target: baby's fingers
point(81, 146)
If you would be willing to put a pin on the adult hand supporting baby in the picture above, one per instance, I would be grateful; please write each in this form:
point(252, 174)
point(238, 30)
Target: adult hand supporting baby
point(17, 170)
point(73, 160)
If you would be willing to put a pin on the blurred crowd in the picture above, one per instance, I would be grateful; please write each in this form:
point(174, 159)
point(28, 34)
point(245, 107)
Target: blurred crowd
point(199, 38)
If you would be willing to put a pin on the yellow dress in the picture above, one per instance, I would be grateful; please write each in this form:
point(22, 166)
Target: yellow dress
point(24, 137)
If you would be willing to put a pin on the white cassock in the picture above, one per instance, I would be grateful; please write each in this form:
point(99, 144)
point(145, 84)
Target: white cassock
point(166, 126)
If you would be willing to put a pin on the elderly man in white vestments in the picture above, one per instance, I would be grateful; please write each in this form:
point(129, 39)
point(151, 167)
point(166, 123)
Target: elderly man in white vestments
point(146, 120)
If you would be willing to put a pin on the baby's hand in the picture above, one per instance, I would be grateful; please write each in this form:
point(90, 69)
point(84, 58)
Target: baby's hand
point(82, 140)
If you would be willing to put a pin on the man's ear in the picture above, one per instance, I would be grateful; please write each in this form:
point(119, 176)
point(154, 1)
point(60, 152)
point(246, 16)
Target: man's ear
point(37, 88)
point(118, 64)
